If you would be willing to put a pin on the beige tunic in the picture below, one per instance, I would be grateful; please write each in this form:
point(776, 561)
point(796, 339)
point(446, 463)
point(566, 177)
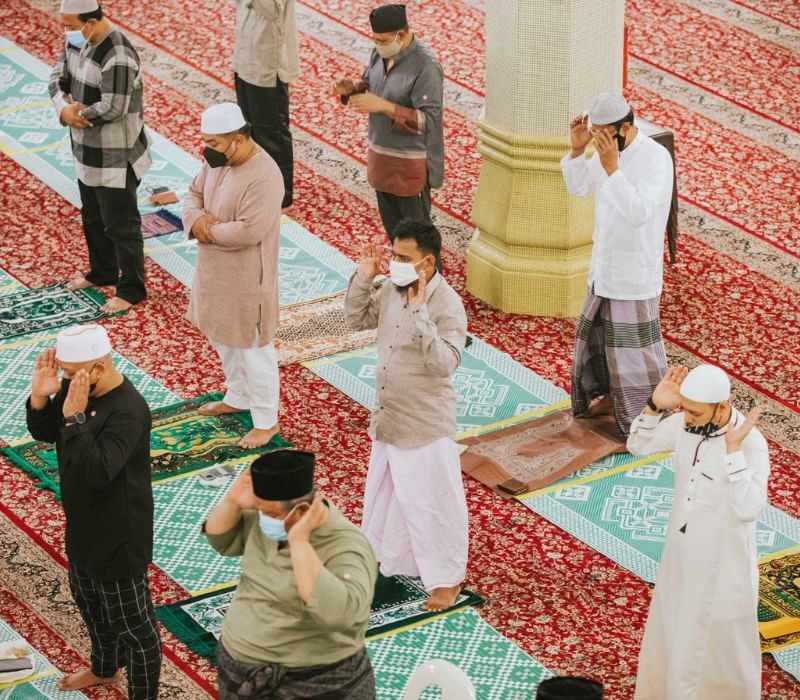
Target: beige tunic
point(234, 297)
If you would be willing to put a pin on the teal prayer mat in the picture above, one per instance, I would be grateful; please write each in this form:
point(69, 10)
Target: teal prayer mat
point(29, 311)
point(308, 268)
point(181, 440)
point(17, 361)
point(197, 622)
point(620, 506)
point(42, 683)
point(492, 390)
point(497, 667)
point(32, 136)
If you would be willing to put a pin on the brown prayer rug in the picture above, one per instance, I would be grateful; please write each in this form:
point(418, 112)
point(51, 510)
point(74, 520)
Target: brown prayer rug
point(317, 329)
point(535, 454)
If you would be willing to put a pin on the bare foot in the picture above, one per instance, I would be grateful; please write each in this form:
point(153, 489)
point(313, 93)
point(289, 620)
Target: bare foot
point(599, 406)
point(79, 282)
point(258, 437)
point(86, 679)
point(441, 599)
point(217, 408)
point(116, 305)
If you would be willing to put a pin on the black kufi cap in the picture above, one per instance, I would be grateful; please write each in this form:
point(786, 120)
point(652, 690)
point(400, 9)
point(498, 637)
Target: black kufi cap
point(388, 18)
point(569, 688)
point(283, 475)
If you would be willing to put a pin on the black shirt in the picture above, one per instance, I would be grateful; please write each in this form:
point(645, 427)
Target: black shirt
point(104, 469)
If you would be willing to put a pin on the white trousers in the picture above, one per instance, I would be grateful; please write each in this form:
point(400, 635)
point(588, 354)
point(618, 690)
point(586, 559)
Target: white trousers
point(415, 512)
point(252, 380)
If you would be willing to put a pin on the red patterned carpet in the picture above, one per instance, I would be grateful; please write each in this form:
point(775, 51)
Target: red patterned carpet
point(723, 75)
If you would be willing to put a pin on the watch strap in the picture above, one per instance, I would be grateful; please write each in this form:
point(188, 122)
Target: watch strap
point(653, 407)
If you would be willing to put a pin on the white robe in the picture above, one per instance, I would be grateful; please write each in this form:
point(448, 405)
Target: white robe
point(701, 638)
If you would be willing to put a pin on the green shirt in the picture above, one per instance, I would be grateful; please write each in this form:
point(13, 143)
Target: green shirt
point(267, 620)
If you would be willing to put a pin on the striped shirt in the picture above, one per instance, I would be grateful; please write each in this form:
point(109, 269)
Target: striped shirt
point(105, 76)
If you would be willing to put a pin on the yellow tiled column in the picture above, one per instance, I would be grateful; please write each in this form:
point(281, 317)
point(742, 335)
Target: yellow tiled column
point(545, 60)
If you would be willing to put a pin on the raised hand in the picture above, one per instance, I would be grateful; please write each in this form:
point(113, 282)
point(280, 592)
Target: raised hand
point(310, 521)
point(241, 494)
point(607, 150)
point(734, 437)
point(667, 394)
point(579, 134)
point(78, 394)
point(45, 381)
point(416, 297)
point(370, 262)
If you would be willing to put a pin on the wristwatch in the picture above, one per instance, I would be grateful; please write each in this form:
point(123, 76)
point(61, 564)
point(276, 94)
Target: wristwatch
point(78, 418)
point(653, 407)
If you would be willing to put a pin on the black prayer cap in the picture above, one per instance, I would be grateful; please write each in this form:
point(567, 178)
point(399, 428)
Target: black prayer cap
point(283, 475)
point(569, 688)
point(388, 18)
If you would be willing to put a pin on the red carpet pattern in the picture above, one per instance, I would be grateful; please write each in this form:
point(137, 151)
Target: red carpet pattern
point(723, 80)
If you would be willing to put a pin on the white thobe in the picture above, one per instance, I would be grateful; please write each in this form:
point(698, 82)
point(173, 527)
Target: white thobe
point(701, 638)
point(630, 217)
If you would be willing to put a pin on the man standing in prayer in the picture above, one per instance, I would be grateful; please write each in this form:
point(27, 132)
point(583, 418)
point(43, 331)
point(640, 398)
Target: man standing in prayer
point(100, 425)
point(96, 87)
point(619, 352)
point(233, 210)
point(296, 626)
point(415, 511)
point(701, 638)
point(264, 62)
point(402, 90)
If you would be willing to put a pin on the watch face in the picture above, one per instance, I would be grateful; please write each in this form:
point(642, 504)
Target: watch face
point(80, 417)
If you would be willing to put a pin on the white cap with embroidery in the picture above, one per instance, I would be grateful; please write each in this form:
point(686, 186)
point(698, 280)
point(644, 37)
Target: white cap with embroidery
point(706, 384)
point(82, 343)
point(222, 119)
point(78, 7)
point(608, 108)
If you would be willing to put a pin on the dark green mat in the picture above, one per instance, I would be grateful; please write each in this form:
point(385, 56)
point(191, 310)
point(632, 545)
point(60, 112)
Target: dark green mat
point(181, 441)
point(197, 621)
point(38, 310)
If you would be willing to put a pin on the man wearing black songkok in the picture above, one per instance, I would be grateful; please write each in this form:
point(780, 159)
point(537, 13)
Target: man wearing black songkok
point(296, 625)
point(402, 90)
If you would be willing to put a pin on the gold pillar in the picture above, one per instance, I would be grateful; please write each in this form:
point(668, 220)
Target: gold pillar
point(545, 60)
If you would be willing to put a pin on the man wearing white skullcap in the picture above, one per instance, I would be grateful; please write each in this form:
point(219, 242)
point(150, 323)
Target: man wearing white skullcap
point(233, 211)
point(100, 425)
point(619, 353)
point(701, 639)
point(96, 89)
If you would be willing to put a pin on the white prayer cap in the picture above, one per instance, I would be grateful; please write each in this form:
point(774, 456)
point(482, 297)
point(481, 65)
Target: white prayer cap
point(706, 384)
point(608, 108)
point(222, 119)
point(82, 343)
point(78, 7)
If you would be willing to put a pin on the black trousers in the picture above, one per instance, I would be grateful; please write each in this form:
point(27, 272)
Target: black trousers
point(113, 230)
point(394, 209)
point(349, 679)
point(267, 109)
point(122, 627)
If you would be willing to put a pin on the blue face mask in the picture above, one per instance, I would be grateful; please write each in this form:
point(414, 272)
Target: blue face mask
point(75, 37)
point(273, 528)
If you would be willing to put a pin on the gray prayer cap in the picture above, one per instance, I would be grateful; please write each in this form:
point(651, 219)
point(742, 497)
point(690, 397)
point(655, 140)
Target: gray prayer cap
point(78, 7)
point(608, 108)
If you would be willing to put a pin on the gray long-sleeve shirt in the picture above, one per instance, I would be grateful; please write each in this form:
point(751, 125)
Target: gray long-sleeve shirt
point(419, 350)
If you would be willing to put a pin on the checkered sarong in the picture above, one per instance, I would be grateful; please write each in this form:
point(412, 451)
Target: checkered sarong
point(618, 351)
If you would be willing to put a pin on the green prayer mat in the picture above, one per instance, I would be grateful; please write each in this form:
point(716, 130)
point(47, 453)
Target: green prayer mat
point(39, 686)
point(17, 361)
point(497, 667)
point(28, 311)
point(492, 390)
point(308, 268)
point(181, 440)
point(620, 506)
point(197, 622)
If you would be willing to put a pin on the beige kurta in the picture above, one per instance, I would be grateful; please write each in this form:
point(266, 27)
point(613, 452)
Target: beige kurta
point(234, 297)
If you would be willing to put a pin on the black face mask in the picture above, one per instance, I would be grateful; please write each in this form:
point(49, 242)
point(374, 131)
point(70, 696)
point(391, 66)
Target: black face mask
point(704, 430)
point(66, 382)
point(215, 159)
point(620, 142)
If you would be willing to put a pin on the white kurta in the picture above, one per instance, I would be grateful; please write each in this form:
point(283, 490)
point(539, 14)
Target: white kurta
point(701, 638)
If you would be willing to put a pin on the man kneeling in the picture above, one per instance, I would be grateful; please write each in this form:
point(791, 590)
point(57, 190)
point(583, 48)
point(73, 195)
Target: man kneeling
point(296, 626)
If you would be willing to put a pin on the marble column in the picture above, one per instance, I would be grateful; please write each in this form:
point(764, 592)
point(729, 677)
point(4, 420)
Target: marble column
point(545, 60)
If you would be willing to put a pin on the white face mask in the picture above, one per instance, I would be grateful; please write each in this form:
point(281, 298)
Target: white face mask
point(403, 274)
point(390, 49)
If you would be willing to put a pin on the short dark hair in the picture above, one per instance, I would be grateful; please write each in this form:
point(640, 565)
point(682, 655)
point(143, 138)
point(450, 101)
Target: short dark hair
point(246, 131)
point(628, 118)
point(423, 233)
point(94, 14)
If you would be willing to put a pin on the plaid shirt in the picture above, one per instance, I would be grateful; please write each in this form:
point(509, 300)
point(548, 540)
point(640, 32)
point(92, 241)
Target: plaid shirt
point(105, 76)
